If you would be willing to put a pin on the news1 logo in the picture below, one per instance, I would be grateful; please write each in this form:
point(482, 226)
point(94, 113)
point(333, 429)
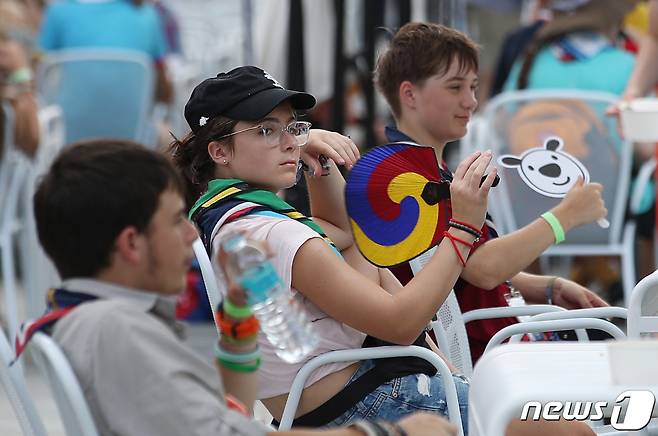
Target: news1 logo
point(631, 410)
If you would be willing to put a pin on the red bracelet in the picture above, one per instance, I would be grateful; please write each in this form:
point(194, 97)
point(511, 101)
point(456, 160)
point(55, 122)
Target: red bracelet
point(461, 241)
point(454, 245)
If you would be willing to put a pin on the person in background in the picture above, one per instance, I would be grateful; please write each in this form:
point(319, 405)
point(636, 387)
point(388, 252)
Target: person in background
point(127, 24)
point(16, 77)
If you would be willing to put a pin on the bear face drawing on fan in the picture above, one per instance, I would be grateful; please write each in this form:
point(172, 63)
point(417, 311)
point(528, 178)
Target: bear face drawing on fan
point(547, 170)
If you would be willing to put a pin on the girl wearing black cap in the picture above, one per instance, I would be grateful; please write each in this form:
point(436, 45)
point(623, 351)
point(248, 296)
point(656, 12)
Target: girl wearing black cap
point(245, 146)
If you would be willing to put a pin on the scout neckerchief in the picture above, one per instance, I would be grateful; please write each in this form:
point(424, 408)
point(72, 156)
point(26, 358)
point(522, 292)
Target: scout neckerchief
point(229, 199)
point(59, 303)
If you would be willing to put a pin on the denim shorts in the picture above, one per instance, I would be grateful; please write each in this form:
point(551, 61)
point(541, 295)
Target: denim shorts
point(403, 396)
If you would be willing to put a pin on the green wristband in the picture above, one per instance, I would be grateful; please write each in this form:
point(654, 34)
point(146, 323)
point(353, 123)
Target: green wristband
point(236, 312)
point(240, 367)
point(552, 221)
point(20, 76)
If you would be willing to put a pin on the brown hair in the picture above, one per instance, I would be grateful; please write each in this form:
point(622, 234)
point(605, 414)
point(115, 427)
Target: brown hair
point(418, 51)
point(190, 155)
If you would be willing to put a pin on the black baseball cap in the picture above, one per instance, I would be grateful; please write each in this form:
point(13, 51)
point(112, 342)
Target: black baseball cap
point(244, 93)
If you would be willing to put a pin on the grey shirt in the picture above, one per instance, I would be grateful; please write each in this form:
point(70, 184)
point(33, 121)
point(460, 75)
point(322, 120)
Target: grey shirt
point(138, 376)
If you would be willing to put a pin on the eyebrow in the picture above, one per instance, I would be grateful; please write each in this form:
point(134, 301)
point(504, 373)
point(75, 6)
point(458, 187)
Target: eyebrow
point(292, 118)
point(461, 79)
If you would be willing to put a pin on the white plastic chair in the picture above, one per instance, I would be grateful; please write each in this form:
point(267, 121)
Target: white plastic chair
point(13, 171)
point(372, 353)
point(450, 327)
point(297, 387)
point(555, 371)
point(13, 384)
point(208, 275)
point(71, 402)
point(103, 92)
point(39, 273)
point(518, 120)
point(643, 309)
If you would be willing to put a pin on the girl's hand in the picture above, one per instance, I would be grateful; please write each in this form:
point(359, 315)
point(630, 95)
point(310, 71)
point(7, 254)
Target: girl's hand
point(468, 198)
point(335, 146)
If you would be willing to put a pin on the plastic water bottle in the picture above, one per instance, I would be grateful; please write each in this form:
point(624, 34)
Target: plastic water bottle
point(284, 323)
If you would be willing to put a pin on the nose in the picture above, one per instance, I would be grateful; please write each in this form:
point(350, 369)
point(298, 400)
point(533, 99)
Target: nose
point(469, 101)
point(551, 170)
point(191, 232)
point(287, 140)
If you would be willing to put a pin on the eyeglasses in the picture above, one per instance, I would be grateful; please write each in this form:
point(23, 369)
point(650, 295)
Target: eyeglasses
point(271, 131)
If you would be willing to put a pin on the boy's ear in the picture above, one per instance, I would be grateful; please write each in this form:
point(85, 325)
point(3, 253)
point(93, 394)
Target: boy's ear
point(406, 94)
point(217, 152)
point(128, 245)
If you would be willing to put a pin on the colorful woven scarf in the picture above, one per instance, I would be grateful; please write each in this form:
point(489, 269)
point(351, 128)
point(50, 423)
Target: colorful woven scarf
point(230, 199)
point(59, 303)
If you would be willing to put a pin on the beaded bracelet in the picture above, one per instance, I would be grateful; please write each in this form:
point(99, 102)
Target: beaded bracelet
point(466, 228)
point(240, 367)
point(234, 311)
point(239, 330)
point(227, 356)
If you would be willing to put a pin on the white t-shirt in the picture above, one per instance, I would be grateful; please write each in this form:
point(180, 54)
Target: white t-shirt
point(284, 237)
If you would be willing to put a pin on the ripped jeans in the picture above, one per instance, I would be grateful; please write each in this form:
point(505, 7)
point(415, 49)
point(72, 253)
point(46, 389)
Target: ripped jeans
point(403, 396)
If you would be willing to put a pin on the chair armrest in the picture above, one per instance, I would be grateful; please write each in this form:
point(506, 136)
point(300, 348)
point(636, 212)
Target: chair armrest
point(504, 312)
point(560, 324)
point(365, 354)
point(592, 312)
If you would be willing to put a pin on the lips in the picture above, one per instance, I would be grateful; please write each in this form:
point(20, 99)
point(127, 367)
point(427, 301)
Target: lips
point(289, 162)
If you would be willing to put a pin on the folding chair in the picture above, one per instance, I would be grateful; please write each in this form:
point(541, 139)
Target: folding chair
point(297, 387)
point(71, 402)
point(516, 121)
point(13, 171)
point(13, 384)
point(102, 92)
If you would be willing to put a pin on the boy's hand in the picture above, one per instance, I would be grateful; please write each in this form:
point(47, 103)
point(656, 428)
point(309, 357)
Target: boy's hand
point(468, 198)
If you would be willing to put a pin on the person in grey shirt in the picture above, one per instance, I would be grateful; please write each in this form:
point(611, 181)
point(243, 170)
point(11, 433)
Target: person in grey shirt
point(111, 216)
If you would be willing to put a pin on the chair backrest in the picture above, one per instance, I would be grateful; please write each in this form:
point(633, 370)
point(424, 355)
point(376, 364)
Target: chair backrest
point(102, 92)
point(13, 384)
point(643, 307)
point(449, 328)
point(13, 172)
point(520, 120)
point(209, 278)
point(71, 402)
point(32, 257)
